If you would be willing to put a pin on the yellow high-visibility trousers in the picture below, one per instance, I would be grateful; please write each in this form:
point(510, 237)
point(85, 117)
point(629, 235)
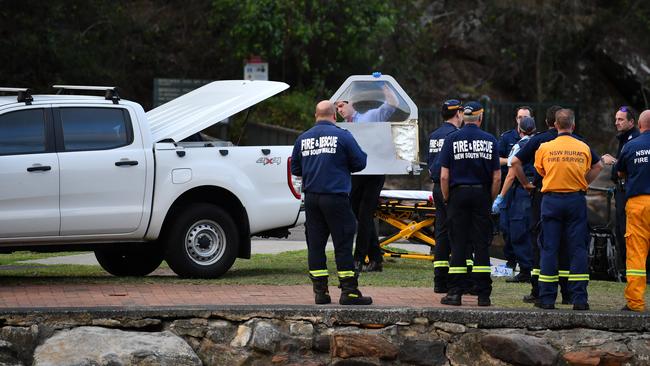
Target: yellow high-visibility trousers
point(637, 243)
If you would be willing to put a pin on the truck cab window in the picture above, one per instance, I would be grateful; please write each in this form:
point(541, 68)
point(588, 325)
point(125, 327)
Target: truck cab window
point(22, 132)
point(95, 128)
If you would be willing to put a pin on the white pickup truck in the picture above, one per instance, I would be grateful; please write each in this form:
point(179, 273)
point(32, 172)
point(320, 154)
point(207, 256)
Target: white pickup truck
point(81, 172)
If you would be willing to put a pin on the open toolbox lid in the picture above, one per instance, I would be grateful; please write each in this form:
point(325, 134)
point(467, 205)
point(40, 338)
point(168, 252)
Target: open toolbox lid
point(207, 105)
point(385, 122)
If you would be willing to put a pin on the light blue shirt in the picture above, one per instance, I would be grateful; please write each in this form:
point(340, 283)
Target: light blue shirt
point(515, 149)
point(381, 114)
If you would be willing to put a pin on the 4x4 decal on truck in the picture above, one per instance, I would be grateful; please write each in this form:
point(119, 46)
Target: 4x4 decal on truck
point(266, 161)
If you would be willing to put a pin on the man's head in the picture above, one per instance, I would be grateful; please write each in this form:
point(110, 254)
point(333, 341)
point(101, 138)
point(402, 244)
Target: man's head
point(523, 111)
point(473, 113)
point(624, 119)
point(644, 121)
point(325, 111)
point(550, 115)
point(527, 126)
point(450, 109)
point(345, 109)
point(565, 120)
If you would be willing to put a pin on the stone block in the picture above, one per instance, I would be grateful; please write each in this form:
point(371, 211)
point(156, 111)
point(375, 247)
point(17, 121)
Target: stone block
point(265, 337)
point(520, 349)
point(101, 346)
point(362, 345)
point(423, 352)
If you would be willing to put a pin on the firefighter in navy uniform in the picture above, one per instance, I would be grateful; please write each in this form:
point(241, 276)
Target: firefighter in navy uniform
point(325, 156)
point(624, 122)
point(567, 167)
point(507, 140)
point(470, 179)
point(452, 114)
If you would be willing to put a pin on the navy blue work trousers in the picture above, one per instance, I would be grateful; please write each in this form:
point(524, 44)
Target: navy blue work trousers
point(365, 196)
point(565, 228)
point(519, 209)
point(470, 228)
point(329, 214)
point(504, 227)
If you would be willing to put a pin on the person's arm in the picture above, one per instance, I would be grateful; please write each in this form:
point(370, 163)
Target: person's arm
point(390, 97)
point(510, 178)
point(444, 183)
point(357, 158)
point(596, 166)
point(503, 161)
point(496, 183)
point(296, 156)
point(518, 171)
point(593, 172)
point(539, 163)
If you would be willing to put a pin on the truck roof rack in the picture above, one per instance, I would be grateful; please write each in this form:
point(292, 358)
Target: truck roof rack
point(110, 92)
point(24, 94)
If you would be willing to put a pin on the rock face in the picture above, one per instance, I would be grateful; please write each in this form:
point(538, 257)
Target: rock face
point(101, 346)
point(309, 338)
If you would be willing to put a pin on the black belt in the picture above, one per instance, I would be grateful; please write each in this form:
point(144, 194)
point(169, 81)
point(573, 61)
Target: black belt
point(565, 193)
point(468, 186)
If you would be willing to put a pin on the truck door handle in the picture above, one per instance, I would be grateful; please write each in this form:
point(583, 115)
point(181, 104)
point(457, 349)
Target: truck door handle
point(40, 168)
point(126, 162)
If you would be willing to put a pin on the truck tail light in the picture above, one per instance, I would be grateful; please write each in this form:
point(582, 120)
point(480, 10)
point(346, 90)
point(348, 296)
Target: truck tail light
point(295, 182)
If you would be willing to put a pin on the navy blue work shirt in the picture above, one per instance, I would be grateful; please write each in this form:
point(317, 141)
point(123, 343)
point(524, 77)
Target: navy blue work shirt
point(471, 156)
point(436, 140)
point(507, 140)
point(324, 156)
point(623, 138)
point(527, 152)
point(634, 162)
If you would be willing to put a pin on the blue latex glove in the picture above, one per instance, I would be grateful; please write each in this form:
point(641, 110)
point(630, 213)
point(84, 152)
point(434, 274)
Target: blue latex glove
point(497, 202)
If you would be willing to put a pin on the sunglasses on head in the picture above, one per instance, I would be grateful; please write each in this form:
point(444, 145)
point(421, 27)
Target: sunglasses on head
point(624, 109)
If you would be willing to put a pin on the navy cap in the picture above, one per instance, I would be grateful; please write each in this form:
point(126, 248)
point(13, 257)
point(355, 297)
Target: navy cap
point(452, 105)
point(472, 109)
point(527, 125)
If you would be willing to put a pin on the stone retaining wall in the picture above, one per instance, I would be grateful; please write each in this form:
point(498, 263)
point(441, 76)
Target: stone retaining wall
point(309, 335)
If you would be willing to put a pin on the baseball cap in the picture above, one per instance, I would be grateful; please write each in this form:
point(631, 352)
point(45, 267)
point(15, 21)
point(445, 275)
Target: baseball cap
point(452, 105)
point(472, 109)
point(527, 125)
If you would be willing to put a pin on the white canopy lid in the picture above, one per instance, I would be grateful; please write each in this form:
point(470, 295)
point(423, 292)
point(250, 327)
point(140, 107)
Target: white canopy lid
point(207, 105)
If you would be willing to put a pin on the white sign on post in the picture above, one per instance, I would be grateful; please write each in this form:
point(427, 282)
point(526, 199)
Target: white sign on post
point(255, 69)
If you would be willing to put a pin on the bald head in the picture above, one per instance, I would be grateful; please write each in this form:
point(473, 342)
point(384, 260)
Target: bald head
point(644, 121)
point(325, 111)
point(564, 120)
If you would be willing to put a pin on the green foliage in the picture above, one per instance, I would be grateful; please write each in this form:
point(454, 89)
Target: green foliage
point(292, 110)
point(307, 42)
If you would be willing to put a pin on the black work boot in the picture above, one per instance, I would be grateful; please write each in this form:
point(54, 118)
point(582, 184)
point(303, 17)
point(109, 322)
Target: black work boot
point(350, 294)
point(321, 292)
point(455, 300)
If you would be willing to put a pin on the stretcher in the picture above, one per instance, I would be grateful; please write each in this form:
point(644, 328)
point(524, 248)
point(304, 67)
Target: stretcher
point(413, 214)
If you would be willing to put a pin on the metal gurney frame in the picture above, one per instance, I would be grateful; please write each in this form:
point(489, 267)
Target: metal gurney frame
point(411, 212)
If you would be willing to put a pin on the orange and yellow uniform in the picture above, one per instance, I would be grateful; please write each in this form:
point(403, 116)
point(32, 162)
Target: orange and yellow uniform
point(634, 163)
point(563, 163)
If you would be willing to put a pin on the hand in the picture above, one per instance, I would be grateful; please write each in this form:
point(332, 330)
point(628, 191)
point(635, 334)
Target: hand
point(608, 159)
point(529, 187)
point(496, 203)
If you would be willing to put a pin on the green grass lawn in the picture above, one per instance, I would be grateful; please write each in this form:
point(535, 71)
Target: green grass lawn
point(289, 268)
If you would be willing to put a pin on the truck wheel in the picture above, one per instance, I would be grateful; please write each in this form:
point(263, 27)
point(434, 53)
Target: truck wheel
point(133, 260)
point(202, 242)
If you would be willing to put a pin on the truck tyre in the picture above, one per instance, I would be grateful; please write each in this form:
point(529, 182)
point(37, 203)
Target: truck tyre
point(133, 260)
point(202, 242)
